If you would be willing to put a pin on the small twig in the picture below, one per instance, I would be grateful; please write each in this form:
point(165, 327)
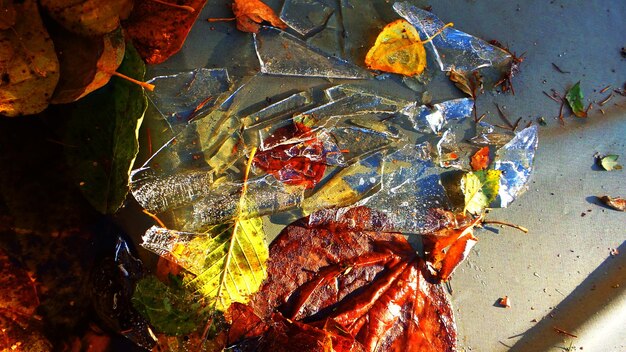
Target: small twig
point(561, 119)
point(606, 100)
point(530, 123)
point(145, 85)
point(149, 137)
point(176, 6)
point(561, 331)
point(221, 19)
point(517, 123)
point(551, 97)
point(503, 116)
point(559, 69)
point(502, 127)
point(605, 89)
point(602, 111)
point(481, 118)
point(155, 218)
point(496, 222)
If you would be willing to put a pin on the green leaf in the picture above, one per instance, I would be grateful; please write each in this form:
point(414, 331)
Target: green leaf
point(102, 133)
point(480, 188)
point(609, 162)
point(574, 98)
point(171, 310)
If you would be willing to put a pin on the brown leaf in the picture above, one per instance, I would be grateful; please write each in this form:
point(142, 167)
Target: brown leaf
point(86, 63)
point(88, 17)
point(471, 83)
point(7, 14)
point(480, 159)
point(29, 69)
point(370, 285)
point(159, 30)
point(616, 203)
point(250, 13)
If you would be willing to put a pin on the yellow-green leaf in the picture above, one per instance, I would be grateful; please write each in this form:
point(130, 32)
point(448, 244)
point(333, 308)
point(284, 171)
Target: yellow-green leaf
point(480, 189)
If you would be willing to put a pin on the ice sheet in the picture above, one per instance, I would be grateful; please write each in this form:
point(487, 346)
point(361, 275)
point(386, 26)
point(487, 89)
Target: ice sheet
point(515, 160)
point(435, 117)
point(305, 16)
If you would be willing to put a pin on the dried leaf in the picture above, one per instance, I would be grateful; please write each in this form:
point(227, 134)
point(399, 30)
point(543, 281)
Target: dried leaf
point(470, 83)
point(88, 17)
point(86, 63)
point(616, 203)
point(574, 97)
point(609, 162)
point(159, 30)
point(397, 50)
point(29, 69)
point(8, 15)
point(250, 13)
point(480, 189)
point(480, 159)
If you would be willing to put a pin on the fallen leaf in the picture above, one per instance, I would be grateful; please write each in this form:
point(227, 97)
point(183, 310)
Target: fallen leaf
point(251, 13)
point(616, 203)
point(159, 30)
point(371, 285)
point(88, 17)
point(397, 49)
point(469, 83)
point(105, 125)
point(574, 97)
point(86, 63)
point(301, 163)
point(480, 189)
point(609, 162)
point(8, 15)
point(29, 69)
point(480, 159)
point(504, 302)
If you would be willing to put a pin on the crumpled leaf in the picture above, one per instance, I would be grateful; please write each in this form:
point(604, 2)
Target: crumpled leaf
point(371, 285)
point(102, 136)
point(251, 13)
point(397, 49)
point(159, 30)
point(616, 203)
point(480, 189)
point(29, 69)
point(88, 17)
point(86, 63)
point(609, 162)
point(480, 159)
point(170, 310)
point(574, 97)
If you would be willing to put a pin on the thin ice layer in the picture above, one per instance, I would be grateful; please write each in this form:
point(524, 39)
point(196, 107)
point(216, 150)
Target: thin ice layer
point(283, 54)
point(182, 96)
point(305, 16)
point(454, 50)
point(515, 160)
point(435, 117)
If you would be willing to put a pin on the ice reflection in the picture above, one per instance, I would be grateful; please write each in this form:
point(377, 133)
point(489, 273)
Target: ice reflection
point(515, 160)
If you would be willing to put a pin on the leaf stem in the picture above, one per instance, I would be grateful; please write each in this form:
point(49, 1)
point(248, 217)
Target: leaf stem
point(496, 222)
point(145, 85)
point(180, 7)
point(436, 33)
point(221, 19)
point(155, 218)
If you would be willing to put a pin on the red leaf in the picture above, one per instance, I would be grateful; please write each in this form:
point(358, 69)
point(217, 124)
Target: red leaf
point(301, 163)
point(159, 30)
point(371, 286)
point(18, 296)
point(480, 160)
point(250, 13)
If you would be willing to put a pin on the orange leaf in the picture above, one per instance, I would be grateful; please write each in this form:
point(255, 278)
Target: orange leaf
point(250, 13)
point(398, 49)
point(480, 160)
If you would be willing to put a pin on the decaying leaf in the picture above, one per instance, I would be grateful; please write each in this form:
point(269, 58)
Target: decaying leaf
point(251, 13)
point(88, 17)
point(504, 302)
point(470, 83)
point(159, 30)
point(102, 136)
point(86, 63)
point(480, 189)
point(574, 97)
point(397, 49)
point(609, 162)
point(480, 159)
point(616, 203)
point(29, 69)
point(367, 285)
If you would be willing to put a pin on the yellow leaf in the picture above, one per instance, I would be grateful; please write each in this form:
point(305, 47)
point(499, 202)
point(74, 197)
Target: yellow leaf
point(398, 49)
point(480, 189)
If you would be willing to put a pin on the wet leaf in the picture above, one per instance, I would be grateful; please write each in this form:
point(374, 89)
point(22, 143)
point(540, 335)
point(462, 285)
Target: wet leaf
point(251, 13)
point(370, 285)
point(159, 30)
point(171, 310)
point(29, 69)
point(616, 203)
point(87, 63)
point(397, 50)
point(609, 162)
point(480, 159)
point(574, 97)
point(102, 136)
point(480, 189)
point(88, 17)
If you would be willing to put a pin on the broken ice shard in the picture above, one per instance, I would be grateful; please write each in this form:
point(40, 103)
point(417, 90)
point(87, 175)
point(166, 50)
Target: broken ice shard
point(515, 160)
point(485, 135)
point(305, 16)
point(454, 50)
point(435, 117)
point(281, 53)
point(183, 96)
